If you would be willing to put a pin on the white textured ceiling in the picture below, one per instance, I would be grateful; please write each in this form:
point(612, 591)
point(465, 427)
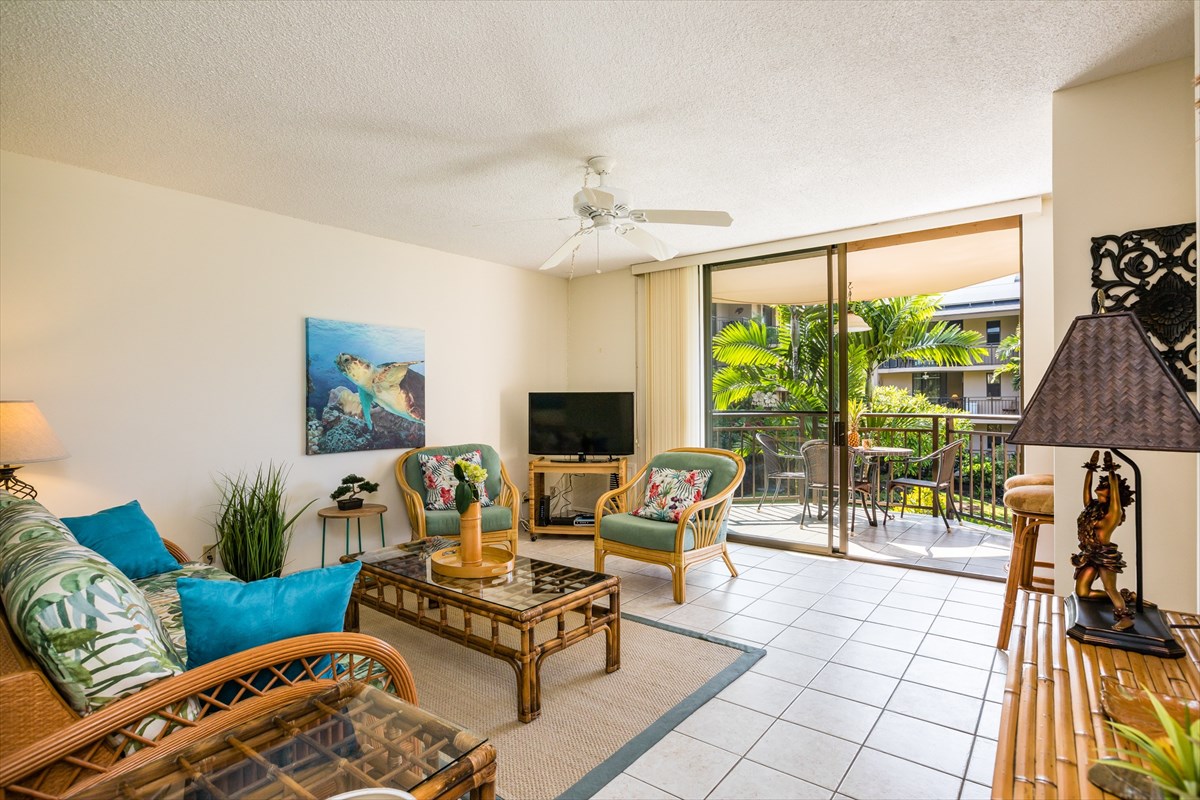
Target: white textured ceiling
point(416, 120)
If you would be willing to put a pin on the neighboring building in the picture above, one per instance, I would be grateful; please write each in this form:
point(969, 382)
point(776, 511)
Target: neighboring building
point(993, 309)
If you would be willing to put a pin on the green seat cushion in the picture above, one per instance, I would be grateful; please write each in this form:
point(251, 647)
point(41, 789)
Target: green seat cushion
point(163, 595)
point(723, 468)
point(648, 533)
point(445, 523)
point(415, 478)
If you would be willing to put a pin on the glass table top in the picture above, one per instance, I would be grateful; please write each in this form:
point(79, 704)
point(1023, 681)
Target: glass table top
point(350, 737)
point(530, 584)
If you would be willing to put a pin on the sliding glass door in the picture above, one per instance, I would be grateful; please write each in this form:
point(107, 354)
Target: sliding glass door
point(776, 394)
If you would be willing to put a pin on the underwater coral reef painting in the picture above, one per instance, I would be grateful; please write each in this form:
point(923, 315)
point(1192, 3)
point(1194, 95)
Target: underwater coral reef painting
point(366, 387)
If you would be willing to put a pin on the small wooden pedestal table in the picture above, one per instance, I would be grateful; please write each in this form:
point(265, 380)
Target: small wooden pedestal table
point(357, 514)
point(338, 739)
point(1052, 726)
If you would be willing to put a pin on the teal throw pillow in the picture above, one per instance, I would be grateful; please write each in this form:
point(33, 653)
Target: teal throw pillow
point(126, 537)
point(223, 617)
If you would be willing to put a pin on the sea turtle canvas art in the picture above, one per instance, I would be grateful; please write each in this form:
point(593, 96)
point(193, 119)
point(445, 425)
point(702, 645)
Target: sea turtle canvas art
point(365, 387)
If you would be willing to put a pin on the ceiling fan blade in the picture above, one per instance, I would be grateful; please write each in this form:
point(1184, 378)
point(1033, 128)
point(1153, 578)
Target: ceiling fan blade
point(566, 248)
point(645, 241)
point(675, 217)
point(599, 198)
point(527, 219)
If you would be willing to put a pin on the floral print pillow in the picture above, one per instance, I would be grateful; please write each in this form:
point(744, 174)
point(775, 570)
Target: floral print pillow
point(440, 482)
point(672, 491)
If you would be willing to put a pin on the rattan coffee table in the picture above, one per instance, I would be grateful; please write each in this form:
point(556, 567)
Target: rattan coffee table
point(351, 736)
point(479, 612)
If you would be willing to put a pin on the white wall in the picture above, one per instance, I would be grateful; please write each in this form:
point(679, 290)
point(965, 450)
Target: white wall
point(1038, 343)
point(1124, 159)
point(601, 352)
point(162, 334)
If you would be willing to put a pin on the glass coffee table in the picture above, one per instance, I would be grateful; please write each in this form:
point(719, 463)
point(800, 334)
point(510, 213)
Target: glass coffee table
point(496, 616)
point(348, 737)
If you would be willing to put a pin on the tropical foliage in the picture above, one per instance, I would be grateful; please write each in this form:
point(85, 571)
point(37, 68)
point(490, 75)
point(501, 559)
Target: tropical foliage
point(1010, 352)
point(903, 327)
point(253, 528)
point(1171, 761)
point(792, 358)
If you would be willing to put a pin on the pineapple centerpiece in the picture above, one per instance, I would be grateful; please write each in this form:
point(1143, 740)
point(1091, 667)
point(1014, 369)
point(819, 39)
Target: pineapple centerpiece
point(854, 412)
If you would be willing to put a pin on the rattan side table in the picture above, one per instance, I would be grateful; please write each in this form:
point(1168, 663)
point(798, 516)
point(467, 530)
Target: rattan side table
point(356, 514)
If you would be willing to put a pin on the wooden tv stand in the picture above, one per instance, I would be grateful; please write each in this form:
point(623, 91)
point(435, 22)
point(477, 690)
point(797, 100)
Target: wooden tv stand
point(539, 468)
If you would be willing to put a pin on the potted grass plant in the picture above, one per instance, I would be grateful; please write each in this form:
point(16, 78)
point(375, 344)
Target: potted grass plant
point(252, 524)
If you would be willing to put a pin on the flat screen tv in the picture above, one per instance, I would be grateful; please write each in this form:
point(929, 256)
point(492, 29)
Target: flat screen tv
point(581, 424)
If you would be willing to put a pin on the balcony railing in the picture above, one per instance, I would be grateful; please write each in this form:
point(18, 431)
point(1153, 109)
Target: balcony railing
point(989, 359)
point(989, 406)
point(985, 462)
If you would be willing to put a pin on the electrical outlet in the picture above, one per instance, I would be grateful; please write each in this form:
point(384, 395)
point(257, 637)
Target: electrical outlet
point(209, 554)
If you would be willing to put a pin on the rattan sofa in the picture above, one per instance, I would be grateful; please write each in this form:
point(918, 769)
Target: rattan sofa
point(49, 750)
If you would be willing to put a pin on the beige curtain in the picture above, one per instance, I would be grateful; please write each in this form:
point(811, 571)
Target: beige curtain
point(671, 354)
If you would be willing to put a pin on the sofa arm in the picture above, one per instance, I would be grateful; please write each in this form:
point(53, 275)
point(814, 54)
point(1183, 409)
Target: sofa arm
point(267, 676)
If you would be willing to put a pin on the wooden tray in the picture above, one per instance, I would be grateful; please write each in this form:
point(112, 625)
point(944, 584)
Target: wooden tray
point(448, 561)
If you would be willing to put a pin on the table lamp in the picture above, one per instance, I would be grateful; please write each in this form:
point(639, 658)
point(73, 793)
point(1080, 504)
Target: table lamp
point(1107, 387)
point(25, 437)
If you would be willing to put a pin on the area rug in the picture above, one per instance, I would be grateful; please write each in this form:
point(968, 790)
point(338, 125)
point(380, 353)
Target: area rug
point(593, 724)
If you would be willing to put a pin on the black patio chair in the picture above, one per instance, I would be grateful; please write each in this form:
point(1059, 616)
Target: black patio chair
point(942, 461)
point(780, 465)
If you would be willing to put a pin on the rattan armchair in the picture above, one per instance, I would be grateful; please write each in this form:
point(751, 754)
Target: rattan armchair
point(49, 750)
point(698, 537)
point(500, 520)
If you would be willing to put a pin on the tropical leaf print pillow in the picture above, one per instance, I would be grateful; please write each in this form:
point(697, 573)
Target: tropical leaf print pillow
point(438, 473)
point(670, 492)
point(89, 627)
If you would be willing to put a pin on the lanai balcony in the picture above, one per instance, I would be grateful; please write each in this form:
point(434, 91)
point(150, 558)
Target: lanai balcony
point(978, 542)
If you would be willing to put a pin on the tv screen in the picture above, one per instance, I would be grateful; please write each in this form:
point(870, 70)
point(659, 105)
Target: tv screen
point(581, 423)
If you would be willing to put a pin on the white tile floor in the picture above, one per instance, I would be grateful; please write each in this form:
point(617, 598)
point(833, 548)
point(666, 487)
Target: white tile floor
point(916, 539)
point(879, 681)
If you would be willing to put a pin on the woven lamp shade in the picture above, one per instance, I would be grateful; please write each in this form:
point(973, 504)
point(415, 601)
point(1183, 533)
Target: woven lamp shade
point(1108, 387)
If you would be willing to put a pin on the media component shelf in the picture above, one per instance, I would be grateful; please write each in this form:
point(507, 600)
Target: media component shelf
point(539, 468)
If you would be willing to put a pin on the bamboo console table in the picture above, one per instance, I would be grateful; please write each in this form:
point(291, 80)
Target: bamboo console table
point(1051, 725)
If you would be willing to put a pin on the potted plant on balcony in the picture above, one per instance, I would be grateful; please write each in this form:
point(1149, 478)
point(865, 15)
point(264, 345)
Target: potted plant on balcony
point(346, 494)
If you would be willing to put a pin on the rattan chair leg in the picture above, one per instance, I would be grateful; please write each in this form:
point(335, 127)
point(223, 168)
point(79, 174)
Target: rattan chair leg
point(678, 588)
point(728, 562)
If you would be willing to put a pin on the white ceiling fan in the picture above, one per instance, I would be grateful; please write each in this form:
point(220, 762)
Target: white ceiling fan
point(607, 208)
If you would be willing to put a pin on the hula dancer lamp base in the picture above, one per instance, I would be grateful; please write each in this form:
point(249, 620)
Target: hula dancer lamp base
point(1090, 621)
point(448, 562)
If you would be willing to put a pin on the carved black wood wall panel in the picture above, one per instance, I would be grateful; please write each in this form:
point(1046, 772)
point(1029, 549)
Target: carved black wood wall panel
point(1152, 272)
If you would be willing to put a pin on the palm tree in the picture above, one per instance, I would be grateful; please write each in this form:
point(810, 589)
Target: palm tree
point(902, 327)
point(793, 356)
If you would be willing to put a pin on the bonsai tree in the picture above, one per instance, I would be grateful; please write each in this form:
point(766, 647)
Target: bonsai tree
point(252, 524)
point(349, 489)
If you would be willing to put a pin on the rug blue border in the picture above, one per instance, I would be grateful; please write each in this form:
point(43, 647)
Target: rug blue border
point(604, 772)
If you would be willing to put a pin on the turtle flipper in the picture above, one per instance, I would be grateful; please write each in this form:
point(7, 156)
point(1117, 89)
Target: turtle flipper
point(365, 398)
